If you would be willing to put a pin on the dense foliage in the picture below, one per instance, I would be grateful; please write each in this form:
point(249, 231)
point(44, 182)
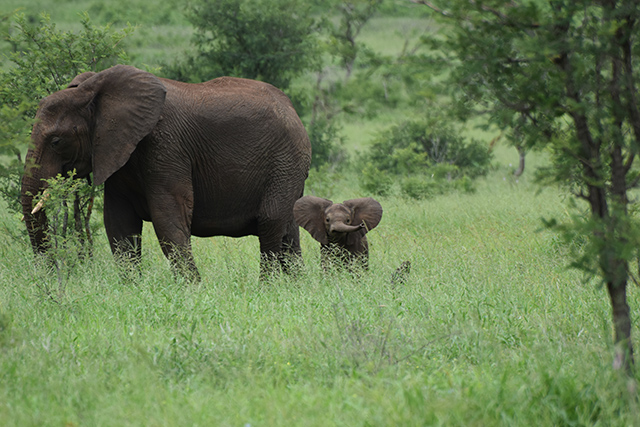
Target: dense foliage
point(269, 40)
point(428, 155)
point(413, 146)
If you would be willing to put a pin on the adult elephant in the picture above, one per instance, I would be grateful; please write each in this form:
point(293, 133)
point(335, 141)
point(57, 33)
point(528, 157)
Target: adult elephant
point(226, 157)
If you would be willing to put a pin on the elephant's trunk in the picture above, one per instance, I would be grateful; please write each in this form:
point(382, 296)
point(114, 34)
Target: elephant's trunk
point(341, 227)
point(36, 222)
point(32, 185)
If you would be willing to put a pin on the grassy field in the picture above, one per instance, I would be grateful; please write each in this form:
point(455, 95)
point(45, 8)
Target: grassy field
point(490, 327)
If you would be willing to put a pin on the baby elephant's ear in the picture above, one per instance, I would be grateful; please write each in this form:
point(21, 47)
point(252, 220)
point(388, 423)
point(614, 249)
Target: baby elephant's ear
point(365, 209)
point(309, 214)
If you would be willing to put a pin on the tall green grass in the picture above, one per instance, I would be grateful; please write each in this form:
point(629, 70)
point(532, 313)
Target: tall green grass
point(490, 328)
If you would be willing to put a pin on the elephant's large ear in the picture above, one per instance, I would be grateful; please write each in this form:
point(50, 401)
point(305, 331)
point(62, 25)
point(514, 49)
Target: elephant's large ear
point(309, 214)
point(365, 209)
point(80, 78)
point(127, 103)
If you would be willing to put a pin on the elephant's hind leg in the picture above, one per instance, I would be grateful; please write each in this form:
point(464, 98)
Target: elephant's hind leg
point(272, 235)
point(291, 255)
point(291, 240)
point(279, 247)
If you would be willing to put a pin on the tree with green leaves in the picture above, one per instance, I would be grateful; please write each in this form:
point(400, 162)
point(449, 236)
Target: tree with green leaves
point(269, 40)
point(47, 59)
point(563, 75)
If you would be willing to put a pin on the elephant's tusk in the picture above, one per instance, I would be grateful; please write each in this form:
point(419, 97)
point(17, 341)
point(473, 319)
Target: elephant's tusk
point(40, 204)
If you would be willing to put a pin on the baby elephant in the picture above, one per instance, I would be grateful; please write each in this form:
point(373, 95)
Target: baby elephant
point(339, 227)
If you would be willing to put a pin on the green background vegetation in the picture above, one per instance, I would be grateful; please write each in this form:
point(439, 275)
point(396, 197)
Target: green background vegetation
point(490, 327)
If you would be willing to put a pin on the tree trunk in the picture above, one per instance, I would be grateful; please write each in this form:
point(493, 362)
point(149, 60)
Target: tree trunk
point(622, 326)
point(521, 153)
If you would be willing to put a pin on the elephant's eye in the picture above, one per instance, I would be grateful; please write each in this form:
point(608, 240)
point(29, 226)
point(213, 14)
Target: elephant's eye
point(327, 220)
point(55, 141)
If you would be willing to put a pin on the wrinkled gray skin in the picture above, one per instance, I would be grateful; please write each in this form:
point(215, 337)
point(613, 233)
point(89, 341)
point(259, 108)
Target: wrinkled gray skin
point(340, 228)
point(226, 157)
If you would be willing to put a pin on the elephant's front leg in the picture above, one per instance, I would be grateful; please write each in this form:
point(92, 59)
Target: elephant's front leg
point(123, 227)
point(171, 214)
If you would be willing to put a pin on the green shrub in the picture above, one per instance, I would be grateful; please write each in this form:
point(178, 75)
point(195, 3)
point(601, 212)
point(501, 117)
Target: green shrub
point(280, 45)
point(444, 171)
point(326, 143)
point(427, 143)
point(14, 136)
point(47, 59)
point(407, 160)
point(68, 222)
point(431, 157)
point(465, 184)
point(420, 187)
point(437, 180)
point(68, 204)
point(375, 181)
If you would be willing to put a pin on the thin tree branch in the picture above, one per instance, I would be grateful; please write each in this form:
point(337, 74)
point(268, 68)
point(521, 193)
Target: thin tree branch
point(432, 7)
point(634, 183)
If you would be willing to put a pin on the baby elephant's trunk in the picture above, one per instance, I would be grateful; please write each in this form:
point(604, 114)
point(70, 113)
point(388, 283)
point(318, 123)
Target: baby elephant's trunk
point(341, 227)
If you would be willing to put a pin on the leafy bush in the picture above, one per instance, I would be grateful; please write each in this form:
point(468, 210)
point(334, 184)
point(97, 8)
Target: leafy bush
point(431, 156)
point(375, 181)
point(68, 222)
point(14, 125)
point(69, 233)
point(419, 187)
point(326, 143)
point(269, 40)
point(431, 184)
point(10, 179)
point(411, 146)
